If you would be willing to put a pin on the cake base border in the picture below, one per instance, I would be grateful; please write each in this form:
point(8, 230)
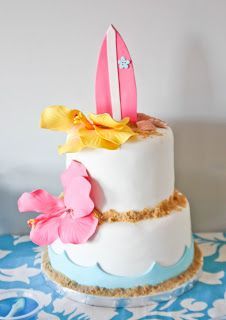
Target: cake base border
point(132, 297)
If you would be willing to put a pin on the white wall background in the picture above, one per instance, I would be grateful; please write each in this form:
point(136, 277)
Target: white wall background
point(48, 54)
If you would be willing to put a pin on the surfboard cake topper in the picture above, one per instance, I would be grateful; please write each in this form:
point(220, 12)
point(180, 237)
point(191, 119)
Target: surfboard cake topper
point(115, 87)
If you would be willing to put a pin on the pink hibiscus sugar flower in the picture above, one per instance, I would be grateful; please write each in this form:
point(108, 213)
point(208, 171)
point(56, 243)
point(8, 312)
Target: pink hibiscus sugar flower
point(70, 218)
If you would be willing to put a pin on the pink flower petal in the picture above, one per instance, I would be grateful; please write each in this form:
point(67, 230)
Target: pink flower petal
point(39, 201)
point(46, 216)
point(77, 197)
point(77, 231)
point(45, 233)
point(76, 169)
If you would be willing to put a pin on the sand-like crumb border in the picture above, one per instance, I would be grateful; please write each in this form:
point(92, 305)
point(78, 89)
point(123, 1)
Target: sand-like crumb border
point(131, 292)
point(176, 202)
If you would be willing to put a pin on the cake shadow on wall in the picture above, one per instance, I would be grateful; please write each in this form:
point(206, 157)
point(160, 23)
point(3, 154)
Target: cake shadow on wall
point(201, 170)
point(200, 149)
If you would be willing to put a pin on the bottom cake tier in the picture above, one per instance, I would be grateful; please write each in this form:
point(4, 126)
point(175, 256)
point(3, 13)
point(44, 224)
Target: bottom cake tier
point(132, 253)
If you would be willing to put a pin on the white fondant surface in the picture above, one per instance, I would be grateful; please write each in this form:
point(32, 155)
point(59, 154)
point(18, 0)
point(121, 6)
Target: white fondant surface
point(138, 175)
point(130, 249)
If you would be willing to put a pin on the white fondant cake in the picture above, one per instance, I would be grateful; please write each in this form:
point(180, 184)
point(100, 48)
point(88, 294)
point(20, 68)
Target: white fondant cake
point(136, 177)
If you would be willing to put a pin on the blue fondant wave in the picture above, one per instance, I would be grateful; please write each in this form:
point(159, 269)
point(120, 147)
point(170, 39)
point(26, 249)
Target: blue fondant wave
point(95, 276)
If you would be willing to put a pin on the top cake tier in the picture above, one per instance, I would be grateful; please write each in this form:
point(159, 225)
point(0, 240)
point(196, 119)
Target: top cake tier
point(139, 175)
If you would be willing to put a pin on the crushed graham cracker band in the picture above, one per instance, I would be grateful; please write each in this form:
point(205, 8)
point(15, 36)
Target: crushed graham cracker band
point(167, 285)
point(176, 202)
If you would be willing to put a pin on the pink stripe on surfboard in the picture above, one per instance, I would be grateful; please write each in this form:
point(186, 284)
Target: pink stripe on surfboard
point(102, 89)
point(127, 82)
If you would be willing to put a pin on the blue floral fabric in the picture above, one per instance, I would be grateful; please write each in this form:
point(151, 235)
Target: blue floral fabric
point(20, 262)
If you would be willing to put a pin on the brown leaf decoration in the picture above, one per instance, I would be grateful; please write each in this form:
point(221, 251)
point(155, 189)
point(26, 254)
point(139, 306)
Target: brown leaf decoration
point(148, 123)
point(158, 123)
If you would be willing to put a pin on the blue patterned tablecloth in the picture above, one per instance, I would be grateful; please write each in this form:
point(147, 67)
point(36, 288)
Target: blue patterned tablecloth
point(20, 268)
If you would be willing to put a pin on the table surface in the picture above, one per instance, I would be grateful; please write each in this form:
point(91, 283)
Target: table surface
point(20, 262)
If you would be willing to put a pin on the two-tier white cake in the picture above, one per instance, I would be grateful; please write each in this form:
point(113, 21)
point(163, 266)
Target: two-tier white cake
point(120, 228)
point(144, 237)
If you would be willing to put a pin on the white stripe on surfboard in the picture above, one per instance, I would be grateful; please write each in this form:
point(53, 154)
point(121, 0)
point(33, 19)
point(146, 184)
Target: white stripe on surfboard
point(113, 73)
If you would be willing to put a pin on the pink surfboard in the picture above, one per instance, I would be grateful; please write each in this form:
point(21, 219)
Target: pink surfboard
point(115, 87)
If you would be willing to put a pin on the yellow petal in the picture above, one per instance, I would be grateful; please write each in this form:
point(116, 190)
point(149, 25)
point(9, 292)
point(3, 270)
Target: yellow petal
point(80, 118)
point(105, 120)
point(91, 139)
point(57, 118)
point(71, 147)
point(115, 136)
point(61, 195)
point(73, 143)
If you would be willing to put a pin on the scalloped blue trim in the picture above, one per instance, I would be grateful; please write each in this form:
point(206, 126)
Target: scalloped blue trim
point(95, 276)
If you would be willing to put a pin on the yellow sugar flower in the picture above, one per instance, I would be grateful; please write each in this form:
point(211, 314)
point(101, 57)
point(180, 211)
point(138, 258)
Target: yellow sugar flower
point(96, 131)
